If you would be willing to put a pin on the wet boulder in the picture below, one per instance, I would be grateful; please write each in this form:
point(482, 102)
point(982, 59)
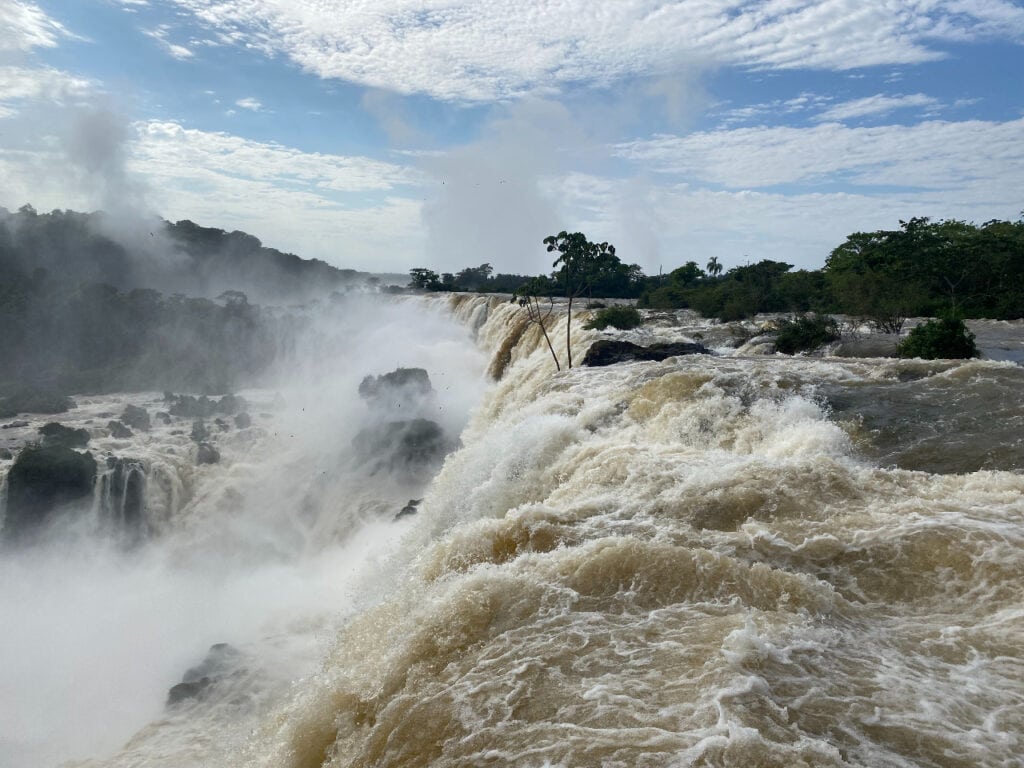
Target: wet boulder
point(34, 401)
point(43, 480)
point(57, 435)
point(409, 509)
point(221, 661)
point(407, 389)
point(199, 431)
point(5, 454)
point(611, 352)
point(243, 420)
point(207, 454)
point(119, 430)
point(876, 345)
point(406, 448)
point(136, 418)
point(15, 425)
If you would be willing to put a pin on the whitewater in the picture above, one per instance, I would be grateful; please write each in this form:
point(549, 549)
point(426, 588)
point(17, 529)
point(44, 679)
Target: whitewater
point(735, 559)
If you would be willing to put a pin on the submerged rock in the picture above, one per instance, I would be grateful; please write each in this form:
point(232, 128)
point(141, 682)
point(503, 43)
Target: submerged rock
point(6, 454)
point(119, 430)
point(243, 420)
point(409, 509)
point(15, 425)
point(207, 454)
point(876, 345)
point(407, 447)
point(136, 418)
point(220, 661)
point(42, 480)
point(199, 431)
point(610, 352)
point(407, 389)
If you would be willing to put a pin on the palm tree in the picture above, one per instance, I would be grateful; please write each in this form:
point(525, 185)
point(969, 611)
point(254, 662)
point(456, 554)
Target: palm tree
point(714, 268)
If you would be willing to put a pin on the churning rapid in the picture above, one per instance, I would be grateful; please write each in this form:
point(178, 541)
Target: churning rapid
point(720, 560)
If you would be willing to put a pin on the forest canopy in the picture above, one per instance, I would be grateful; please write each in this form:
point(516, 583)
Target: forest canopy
point(923, 268)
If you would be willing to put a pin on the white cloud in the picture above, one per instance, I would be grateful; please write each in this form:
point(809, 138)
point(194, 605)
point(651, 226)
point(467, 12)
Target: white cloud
point(26, 26)
point(253, 105)
point(486, 49)
point(937, 155)
point(52, 86)
point(160, 34)
point(878, 104)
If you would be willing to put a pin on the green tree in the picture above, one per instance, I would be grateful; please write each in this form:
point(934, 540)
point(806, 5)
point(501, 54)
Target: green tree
point(424, 279)
point(714, 268)
point(528, 296)
point(579, 265)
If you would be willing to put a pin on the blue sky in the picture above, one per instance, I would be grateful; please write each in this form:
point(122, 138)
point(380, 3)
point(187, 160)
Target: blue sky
point(388, 134)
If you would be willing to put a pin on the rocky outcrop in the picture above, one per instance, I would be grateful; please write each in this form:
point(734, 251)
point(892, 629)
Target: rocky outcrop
point(879, 345)
point(405, 389)
point(57, 435)
point(41, 481)
point(207, 454)
point(198, 681)
point(405, 448)
point(136, 418)
point(34, 401)
point(243, 420)
point(610, 352)
point(409, 509)
point(203, 407)
point(119, 430)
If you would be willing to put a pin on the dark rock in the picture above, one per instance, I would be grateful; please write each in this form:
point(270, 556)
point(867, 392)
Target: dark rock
point(222, 425)
point(207, 454)
point(119, 430)
point(409, 509)
point(243, 420)
point(220, 661)
point(40, 481)
point(231, 404)
point(190, 407)
point(407, 388)
point(407, 447)
point(15, 425)
point(877, 345)
point(610, 352)
point(199, 431)
point(191, 690)
point(6, 454)
point(123, 494)
point(203, 407)
point(57, 435)
point(164, 416)
point(136, 418)
point(34, 401)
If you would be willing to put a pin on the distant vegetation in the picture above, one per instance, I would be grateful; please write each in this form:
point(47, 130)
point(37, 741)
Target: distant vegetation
point(924, 268)
point(79, 312)
point(623, 318)
point(180, 257)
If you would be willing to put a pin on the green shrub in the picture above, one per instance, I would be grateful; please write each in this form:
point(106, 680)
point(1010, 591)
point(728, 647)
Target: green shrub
point(805, 333)
point(946, 339)
point(622, 318)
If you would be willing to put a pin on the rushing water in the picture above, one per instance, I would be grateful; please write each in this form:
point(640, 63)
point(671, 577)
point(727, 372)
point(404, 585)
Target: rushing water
point(732, 560)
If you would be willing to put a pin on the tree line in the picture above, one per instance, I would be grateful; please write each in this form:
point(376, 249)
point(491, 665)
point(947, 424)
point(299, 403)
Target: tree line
point(923, 268)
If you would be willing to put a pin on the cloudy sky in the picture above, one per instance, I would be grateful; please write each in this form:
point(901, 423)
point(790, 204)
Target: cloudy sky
point(388, 134)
